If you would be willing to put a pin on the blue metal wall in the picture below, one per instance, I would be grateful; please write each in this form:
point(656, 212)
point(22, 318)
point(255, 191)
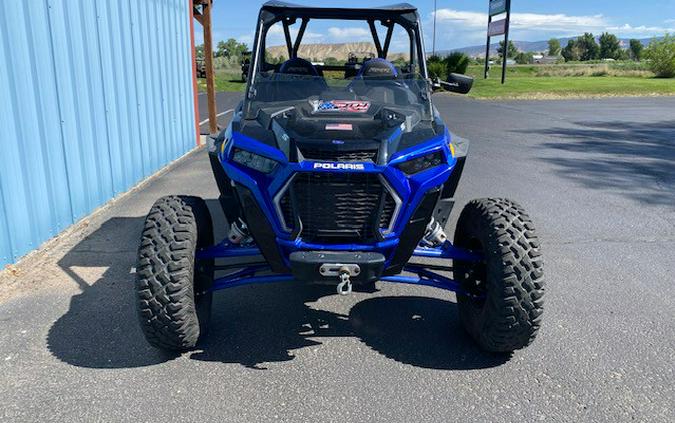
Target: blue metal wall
point(95, 95)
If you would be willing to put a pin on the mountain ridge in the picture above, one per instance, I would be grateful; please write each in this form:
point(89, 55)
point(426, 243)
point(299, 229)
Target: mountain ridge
point(526, 46)
point(340, 51)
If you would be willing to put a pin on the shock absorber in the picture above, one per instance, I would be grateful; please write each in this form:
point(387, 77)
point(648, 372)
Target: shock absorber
point(239, 233)
point(434, 235)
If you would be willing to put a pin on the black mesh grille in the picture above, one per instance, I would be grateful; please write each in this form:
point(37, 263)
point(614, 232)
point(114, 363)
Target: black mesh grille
point(339, 156)
point(337, 207)
point(287, 209)
point(387, 210)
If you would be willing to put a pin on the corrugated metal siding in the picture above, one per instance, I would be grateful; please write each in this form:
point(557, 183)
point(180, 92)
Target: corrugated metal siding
point(95, 95)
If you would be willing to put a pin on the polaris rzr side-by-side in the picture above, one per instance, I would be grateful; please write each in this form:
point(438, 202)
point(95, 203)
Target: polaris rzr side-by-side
point(344, 175)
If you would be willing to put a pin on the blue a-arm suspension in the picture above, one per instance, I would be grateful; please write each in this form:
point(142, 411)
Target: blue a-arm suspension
point(422, 274)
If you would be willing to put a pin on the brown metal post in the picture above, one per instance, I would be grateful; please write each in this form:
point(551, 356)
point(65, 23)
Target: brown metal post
point(208, 57)
point(194, 70)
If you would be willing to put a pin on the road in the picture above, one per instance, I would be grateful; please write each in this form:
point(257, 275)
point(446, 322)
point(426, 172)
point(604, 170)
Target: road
point(225, 103)
point(598, 178)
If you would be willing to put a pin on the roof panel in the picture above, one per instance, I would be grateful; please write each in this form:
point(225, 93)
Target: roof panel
point(280, 8)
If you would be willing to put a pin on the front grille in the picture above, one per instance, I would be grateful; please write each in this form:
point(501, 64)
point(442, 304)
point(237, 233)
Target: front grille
point(336, 208)
point(286, 208)
point(388, 210)
point(339, 156)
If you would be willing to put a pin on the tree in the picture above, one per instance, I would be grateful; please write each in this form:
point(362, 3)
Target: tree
point(624, 54)
point(510, 52)
point(554, 47)
point(199, 51)
point(523, 58)
point(221, 49)
point(610, 48)
point(661, 56)
point(589, 49)
point(232, 47)
point(571, 52)
point(636, 48)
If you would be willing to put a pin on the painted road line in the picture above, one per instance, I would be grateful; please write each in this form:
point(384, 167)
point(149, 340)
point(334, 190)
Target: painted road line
point(218, 115)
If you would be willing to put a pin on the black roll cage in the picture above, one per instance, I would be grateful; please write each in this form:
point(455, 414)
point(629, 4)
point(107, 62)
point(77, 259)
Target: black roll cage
point(274, 11)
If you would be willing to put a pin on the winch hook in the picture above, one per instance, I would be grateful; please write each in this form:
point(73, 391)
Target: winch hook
point(345, 285)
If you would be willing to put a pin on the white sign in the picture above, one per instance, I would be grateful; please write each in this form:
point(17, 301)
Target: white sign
point(497, 28)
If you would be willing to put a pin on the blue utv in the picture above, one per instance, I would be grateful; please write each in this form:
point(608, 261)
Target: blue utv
point(343, 174)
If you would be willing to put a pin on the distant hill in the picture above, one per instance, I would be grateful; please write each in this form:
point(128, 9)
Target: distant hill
point(339, 51)
point(526, 46)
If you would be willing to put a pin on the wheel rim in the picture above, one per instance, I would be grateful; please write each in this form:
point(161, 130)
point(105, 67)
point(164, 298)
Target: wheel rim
point(474, 278)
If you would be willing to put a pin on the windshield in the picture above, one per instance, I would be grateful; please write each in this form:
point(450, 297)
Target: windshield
point(383, 67)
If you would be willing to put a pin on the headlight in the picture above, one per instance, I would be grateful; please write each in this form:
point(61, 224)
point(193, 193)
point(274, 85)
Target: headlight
point(421, 163)
point(254, 161)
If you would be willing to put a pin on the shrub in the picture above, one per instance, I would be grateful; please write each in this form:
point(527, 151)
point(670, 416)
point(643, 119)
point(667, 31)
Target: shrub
point(661, 56)
point(524, 58)
point(456, 62)
point(436, 70)
point(436, 67)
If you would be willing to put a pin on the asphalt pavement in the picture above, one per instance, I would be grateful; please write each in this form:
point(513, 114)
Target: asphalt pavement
point(226, 102)
point(598, 179)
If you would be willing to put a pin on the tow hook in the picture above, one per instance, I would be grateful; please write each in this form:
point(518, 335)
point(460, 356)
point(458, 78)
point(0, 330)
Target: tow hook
point(344, 272)
point(345, 285)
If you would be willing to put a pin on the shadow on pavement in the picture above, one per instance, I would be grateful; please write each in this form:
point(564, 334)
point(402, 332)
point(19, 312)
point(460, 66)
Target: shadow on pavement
point(635, 158)
point(256, 325)
point(100, 329)
point(250, 325)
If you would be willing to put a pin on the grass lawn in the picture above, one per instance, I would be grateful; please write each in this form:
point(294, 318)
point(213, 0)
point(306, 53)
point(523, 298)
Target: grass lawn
point(569, 81)
point(532, 87)
point(537, 82)
point(224, 82)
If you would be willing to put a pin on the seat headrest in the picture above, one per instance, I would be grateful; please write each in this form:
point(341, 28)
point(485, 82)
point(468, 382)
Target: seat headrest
point(298, 66)
point(378, 69)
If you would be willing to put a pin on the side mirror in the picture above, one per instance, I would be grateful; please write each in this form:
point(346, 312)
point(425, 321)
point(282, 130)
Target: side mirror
point(457, 83)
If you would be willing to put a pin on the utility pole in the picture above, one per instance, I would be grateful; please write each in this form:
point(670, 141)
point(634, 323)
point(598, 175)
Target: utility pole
point(433, 44)
point(505, 51)
point(487, 49)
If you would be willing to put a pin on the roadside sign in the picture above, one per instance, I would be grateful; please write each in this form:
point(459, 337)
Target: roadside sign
point(497, 7)
point(497, 28)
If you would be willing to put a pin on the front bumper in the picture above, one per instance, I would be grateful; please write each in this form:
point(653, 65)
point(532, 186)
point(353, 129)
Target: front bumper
point(310, 265)
point(259, 194)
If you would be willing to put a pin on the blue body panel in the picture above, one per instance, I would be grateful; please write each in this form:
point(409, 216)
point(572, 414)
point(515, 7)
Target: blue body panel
point(409, 188)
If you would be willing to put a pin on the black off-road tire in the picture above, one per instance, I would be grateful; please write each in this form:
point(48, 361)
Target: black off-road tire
point(172, 288)
point(506, 312)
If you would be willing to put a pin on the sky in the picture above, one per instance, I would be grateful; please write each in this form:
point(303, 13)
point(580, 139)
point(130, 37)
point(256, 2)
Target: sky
point(461, 23)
